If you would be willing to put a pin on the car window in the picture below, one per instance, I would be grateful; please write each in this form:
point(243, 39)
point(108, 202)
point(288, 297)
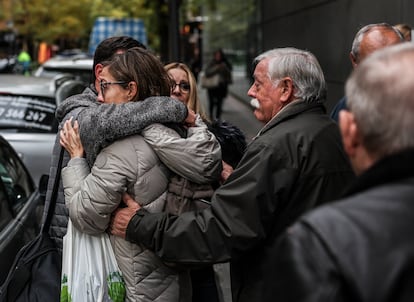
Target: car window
point(27, 113)
point(17, 186)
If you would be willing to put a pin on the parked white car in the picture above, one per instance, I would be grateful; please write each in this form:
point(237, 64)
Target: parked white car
point(77, 65)
point(27, 116)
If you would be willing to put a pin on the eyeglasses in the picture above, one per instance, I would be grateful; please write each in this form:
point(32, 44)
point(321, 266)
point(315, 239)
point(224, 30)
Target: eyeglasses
point(103, 84)
point(183, 86)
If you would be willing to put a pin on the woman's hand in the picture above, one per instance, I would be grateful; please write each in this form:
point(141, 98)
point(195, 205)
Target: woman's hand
point(70, 139)
point(226, 172)
point(191, 118)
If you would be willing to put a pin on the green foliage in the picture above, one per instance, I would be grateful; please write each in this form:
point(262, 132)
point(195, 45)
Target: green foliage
point(55, 20)
point(51, 20)
point(47, 20)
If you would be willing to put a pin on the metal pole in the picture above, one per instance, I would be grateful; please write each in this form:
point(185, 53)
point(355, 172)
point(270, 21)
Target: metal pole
point(174, 37)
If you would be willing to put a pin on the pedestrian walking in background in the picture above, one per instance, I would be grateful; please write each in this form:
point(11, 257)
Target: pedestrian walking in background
point(360, 247)
point(196, 63)
point(294, 164)
point(218, 76)
point(24, 60)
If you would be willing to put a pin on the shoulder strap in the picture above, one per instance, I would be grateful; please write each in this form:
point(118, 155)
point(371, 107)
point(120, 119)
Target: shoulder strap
point(51, 206)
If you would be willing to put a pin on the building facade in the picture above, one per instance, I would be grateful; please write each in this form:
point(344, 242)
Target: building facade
point(324, 27)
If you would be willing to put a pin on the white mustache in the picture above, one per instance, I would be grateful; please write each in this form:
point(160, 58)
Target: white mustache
point(255, 103)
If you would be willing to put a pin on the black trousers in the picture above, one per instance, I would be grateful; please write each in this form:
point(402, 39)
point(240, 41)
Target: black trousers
point(216, 97)
point(204, 285)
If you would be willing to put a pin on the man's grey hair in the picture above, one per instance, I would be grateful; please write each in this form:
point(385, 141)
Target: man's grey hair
point(356, 44)
point(380, 94)
point(302, 67)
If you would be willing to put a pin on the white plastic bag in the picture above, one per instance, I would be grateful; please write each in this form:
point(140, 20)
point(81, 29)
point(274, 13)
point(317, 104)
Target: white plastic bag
point(90, 272)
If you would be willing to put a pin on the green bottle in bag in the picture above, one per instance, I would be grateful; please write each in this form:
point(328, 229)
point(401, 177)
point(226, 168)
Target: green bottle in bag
point(64, 293)
point(116, 287)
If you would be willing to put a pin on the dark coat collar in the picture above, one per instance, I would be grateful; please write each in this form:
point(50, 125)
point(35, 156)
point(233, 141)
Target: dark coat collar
point(389, 169)
point(292, 110)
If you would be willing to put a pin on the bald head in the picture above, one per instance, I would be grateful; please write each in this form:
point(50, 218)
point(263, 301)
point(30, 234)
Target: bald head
point(371, 38)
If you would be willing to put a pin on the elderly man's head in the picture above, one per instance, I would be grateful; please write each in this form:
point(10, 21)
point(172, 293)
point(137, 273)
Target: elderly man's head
point(371, 38)
point(380, 96)
point(284, 75)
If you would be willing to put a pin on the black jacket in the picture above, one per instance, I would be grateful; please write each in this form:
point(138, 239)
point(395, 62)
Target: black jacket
point(360, 248)
point(296, 163)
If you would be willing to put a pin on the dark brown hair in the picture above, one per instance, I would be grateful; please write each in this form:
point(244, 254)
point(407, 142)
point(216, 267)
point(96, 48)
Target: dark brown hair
point(144, 68)
point(110, 46)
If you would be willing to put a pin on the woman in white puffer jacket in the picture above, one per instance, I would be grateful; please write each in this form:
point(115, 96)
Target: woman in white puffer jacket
point(131, 165)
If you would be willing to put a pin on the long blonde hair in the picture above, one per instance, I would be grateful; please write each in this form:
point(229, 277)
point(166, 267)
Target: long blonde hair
point(194, 102)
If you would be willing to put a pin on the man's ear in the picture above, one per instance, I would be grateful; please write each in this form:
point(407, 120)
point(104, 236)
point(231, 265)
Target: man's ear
point(353, 60)
point(98, 70)
point(350, 134)
point(286, 86)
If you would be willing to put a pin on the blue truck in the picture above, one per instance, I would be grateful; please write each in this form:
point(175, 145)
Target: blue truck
point(105, 27)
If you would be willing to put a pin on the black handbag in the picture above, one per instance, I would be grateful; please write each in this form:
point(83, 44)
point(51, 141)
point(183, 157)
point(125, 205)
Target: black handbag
point(36, 271)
